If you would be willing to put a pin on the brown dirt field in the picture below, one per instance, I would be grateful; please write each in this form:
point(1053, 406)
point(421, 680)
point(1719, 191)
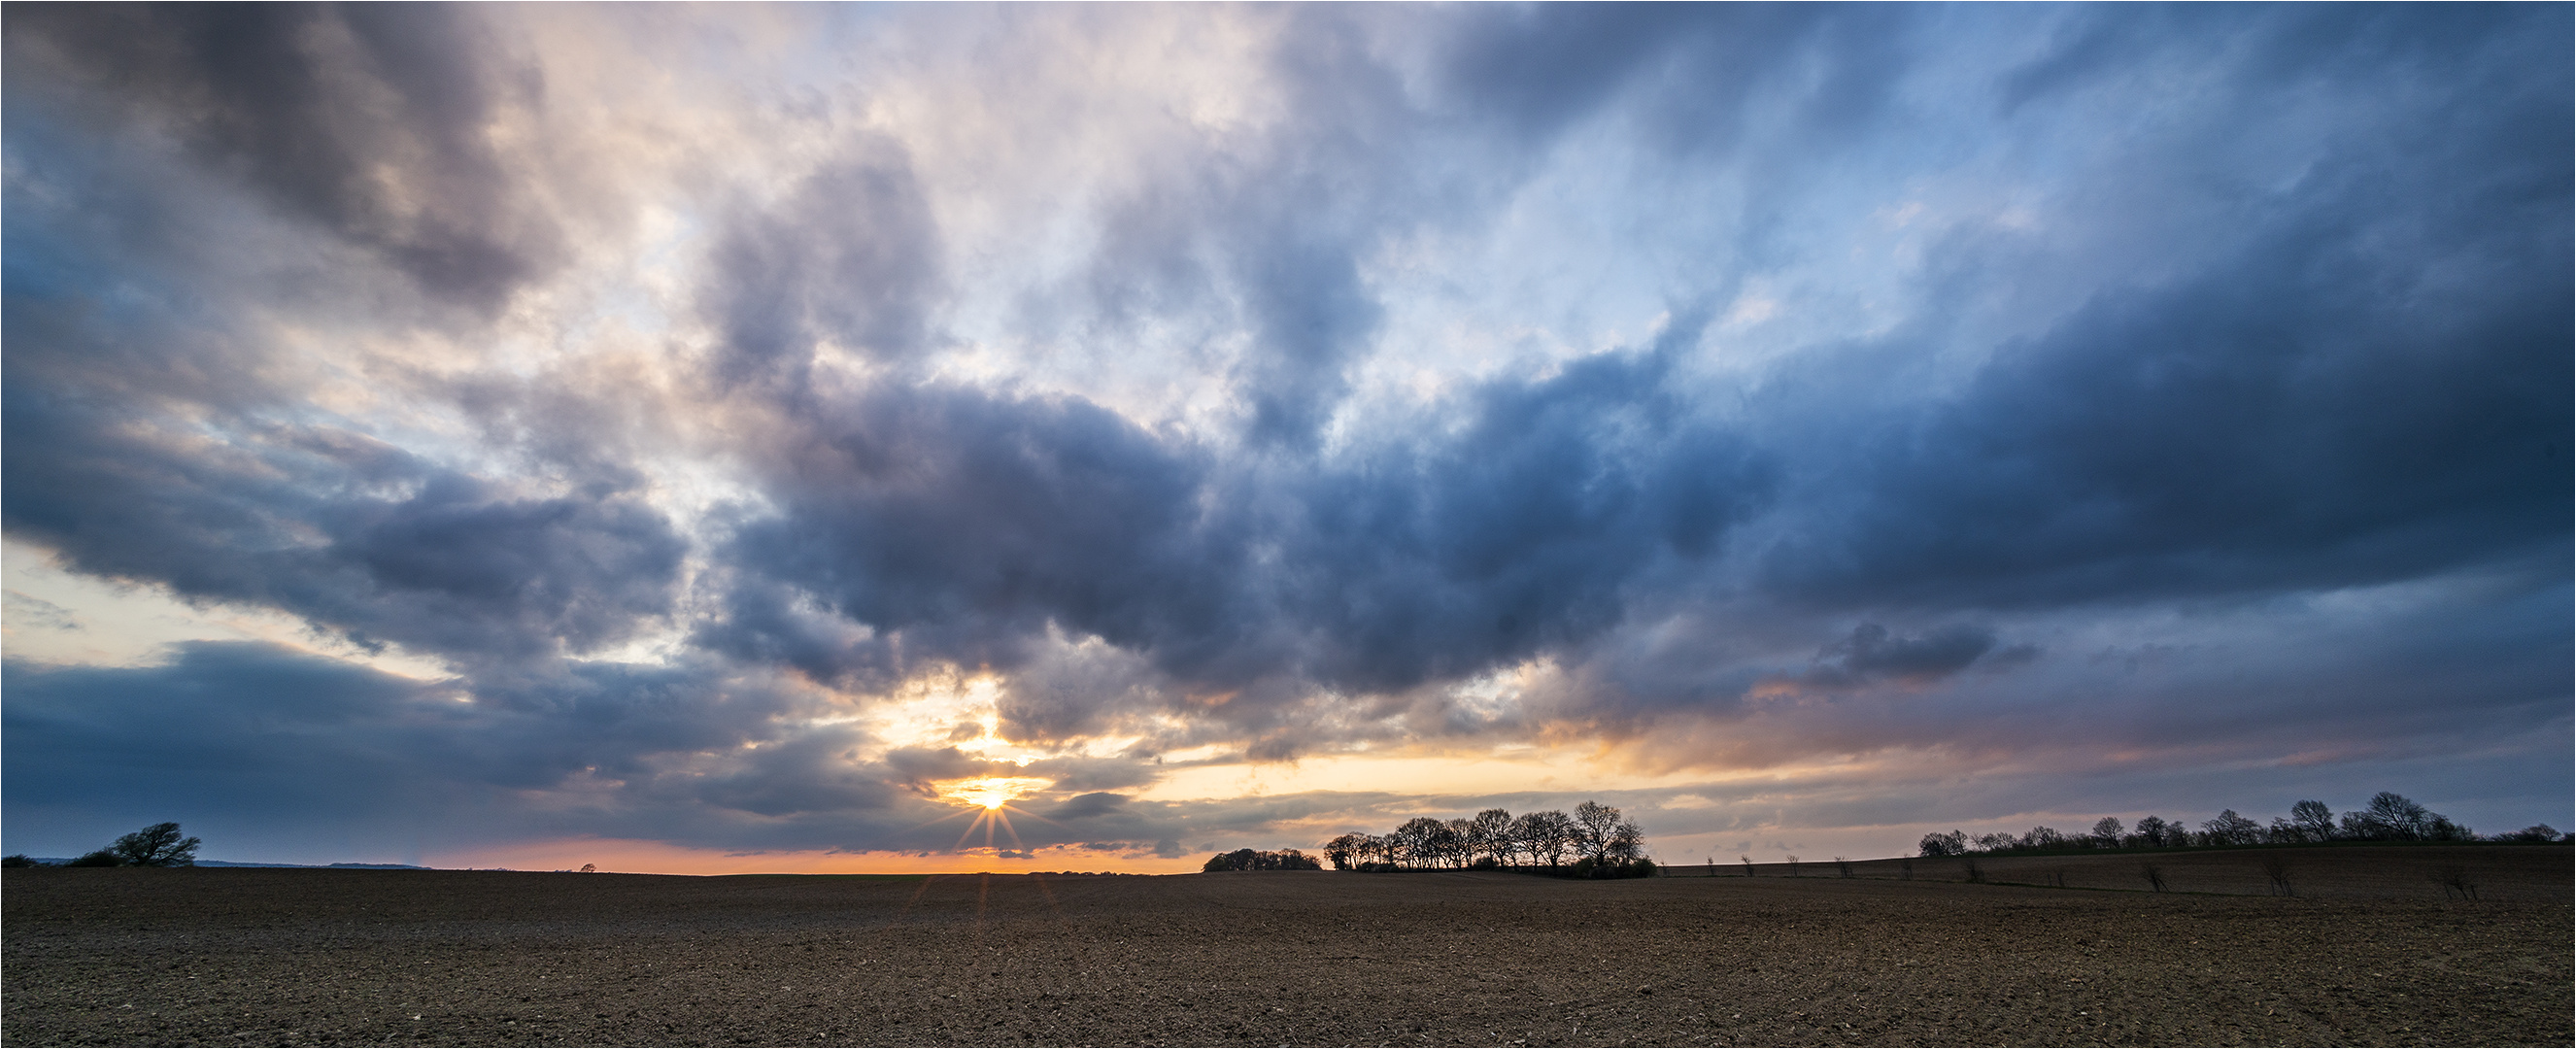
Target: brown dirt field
point(246, 956)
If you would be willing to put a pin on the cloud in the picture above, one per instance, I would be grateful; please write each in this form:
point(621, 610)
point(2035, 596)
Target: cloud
point(372, 123)
point(1377, 383)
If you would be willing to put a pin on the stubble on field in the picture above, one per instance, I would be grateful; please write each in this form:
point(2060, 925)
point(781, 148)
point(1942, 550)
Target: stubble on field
point(240, 957)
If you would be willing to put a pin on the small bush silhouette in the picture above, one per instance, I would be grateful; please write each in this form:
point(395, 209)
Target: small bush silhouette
point(1975, 872)
point(2455, 882)
point(101, 858)
point(17, 859)
point(1843, 866)
point(2155, 876)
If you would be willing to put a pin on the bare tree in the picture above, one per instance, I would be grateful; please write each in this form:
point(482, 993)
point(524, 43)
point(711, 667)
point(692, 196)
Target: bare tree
point(1490, 835)
point(2043, 838)
point(2107, 832)
point(2314, 820)
point(1460, 843)
point(1793, 866)
point(2455, 882)
point(1419, 842)
point(1954, 843)
point(1748, 865)
point(1595, 825)
point(2391, 816)
point(158, 845)
point(2228, 828)
point(1545, 835)
point(1344, 850)
point(2155, 875)
point(1842, 866)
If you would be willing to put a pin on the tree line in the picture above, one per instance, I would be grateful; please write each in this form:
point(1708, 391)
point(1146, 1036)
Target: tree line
point(2388, 817)
point(1593, 841)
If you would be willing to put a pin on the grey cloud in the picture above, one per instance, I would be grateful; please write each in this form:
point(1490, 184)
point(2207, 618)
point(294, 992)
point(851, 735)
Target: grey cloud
point(851, 255)
point(1872, 653)
point(356, 536)
point(967, 521)
point(2361, 380)
point(967, 524)
point(314, 105)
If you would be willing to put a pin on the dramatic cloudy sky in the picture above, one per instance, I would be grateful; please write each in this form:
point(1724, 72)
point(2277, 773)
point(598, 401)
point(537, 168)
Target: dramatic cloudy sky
point(709, 438)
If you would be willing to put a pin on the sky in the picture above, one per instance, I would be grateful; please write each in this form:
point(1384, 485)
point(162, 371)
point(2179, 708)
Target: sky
point(704, 439)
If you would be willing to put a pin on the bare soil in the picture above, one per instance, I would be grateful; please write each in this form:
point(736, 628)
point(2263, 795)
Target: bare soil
point(319, 957)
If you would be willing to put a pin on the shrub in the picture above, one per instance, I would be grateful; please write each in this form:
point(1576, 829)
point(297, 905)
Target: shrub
point(101, 858)
point(17, 859)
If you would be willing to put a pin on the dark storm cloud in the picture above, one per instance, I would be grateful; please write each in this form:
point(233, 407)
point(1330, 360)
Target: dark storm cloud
point(2373, 387)
point(369, 120)
point(1519, 535)
point(967, 523)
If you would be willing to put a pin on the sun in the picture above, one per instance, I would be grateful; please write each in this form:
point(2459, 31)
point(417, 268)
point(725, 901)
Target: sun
point(991, 792)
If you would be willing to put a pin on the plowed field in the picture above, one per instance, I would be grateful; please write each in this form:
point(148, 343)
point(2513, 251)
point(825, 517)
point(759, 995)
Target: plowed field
point(298, 957)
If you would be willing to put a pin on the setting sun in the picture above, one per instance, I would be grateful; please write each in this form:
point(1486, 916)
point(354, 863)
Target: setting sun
point(991, 792)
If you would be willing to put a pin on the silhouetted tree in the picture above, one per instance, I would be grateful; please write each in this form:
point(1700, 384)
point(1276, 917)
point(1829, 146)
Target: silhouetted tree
point(2537, 832)
point(1490, 834)
point(158, 845)
point(2107, 832)
point(1545, 835)
point(2228, 828)
point(2315, 822)
point(2391, 816)
point(2153, 831)
point(1257, 860)
point(1594, 824)
point(1952, 844)
point(1422, 842)
point(2043, 838)
point(1344, 851)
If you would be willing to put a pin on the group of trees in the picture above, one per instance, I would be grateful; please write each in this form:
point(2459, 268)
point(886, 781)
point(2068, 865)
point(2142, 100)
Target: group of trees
point(1256, 860)
point(1592, 841)
point(159, 845)
point(2388, 817)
